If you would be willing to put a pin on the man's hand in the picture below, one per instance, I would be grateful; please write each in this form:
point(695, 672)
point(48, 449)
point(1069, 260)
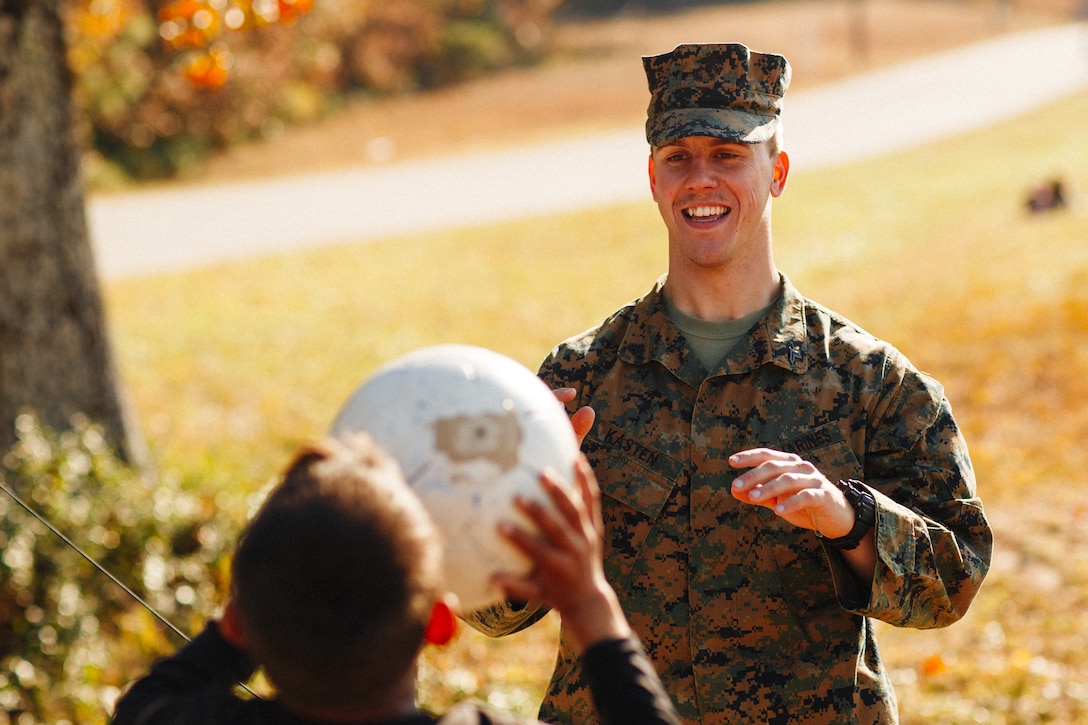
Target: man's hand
point(794, 489)
point(583, 418)
point(797, 492)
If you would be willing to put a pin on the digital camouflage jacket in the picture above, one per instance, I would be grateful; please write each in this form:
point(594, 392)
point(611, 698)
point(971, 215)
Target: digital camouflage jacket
point(746, 617)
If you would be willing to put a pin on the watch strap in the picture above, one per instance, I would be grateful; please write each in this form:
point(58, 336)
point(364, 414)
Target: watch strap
point(864, 503)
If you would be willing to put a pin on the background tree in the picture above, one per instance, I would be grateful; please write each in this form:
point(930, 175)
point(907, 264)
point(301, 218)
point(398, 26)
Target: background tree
point(157, 85)
point(54, 348)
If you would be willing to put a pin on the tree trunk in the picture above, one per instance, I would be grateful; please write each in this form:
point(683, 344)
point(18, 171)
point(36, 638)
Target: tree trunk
point(55, 355)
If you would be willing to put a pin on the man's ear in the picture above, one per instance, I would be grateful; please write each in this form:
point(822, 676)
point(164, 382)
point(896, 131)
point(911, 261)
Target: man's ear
point(653, 177)
point(781, 173)
point(230, 626)
point(442, 626)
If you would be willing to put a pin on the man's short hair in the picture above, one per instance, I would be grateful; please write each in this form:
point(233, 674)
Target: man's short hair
point(774, 143)
point(335, 578)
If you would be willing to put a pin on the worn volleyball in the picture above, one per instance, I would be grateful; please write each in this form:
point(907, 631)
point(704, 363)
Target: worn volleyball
point(471, 429)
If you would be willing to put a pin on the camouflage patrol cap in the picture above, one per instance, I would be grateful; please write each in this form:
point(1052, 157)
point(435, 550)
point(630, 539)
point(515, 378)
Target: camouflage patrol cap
point(721, 90)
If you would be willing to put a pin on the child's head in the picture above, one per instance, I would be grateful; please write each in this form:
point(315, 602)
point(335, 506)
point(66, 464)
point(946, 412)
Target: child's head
point(335, 578)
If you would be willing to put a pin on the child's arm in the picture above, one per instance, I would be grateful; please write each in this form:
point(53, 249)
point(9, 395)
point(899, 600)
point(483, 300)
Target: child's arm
point(566, 553)
point(568, 575)
point(193, 685)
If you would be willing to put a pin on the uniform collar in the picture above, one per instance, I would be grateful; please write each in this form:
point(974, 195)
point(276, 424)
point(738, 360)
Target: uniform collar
point(784, 332)
point(779, 338)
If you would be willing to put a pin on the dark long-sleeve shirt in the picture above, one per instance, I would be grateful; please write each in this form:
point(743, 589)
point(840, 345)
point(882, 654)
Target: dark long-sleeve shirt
point(195, 686)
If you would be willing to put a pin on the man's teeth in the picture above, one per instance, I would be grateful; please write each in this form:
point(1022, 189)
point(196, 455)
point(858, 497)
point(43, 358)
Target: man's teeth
point(705, 211)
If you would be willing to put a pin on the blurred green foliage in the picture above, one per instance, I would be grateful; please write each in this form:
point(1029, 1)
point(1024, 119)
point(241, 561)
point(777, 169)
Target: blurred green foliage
point(70, 638)
point(160, 84)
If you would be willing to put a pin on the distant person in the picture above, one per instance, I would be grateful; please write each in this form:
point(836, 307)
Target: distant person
point(336, 586)
point(1048, 197)
point(774, 478)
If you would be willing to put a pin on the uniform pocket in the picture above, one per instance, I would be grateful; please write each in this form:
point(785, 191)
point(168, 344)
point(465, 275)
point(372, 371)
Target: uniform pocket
point(636, 474)
point(636, 484)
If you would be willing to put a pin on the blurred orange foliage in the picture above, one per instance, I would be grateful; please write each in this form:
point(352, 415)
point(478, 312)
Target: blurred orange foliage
point(933, 665)
point(195, 25)
point(188, 28)
point(210, 69)
point(102, 18)
point(160, 84)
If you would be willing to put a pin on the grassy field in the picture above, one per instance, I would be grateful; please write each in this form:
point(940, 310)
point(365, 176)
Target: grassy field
point(230, 368)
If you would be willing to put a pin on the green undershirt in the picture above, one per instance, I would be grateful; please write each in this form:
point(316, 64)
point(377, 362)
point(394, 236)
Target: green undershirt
point(712, 341)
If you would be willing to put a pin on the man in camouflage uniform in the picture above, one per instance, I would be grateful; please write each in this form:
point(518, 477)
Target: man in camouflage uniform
point(775, 478)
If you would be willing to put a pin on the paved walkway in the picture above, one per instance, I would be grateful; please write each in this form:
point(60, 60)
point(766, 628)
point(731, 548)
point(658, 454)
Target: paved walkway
point(154, 231)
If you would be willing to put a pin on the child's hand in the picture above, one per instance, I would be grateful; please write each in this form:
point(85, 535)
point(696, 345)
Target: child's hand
point(566, 554)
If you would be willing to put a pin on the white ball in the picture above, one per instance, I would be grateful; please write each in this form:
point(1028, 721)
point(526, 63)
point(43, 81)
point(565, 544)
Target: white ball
point(470, 428)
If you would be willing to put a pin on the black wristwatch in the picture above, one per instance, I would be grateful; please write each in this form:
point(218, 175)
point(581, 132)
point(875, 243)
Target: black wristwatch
point(861, 498)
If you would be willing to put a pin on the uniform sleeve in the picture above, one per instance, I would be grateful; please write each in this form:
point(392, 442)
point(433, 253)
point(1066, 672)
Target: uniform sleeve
point(193, 685)
point(933, 540)
point(626, 689)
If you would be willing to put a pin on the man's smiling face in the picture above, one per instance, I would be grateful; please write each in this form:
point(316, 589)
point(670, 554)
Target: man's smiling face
point(714, 197)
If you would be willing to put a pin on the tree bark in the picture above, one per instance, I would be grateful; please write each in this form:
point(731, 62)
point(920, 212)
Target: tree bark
point(55, 356)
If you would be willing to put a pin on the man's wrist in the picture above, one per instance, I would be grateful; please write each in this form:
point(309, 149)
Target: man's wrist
point(863, 502)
